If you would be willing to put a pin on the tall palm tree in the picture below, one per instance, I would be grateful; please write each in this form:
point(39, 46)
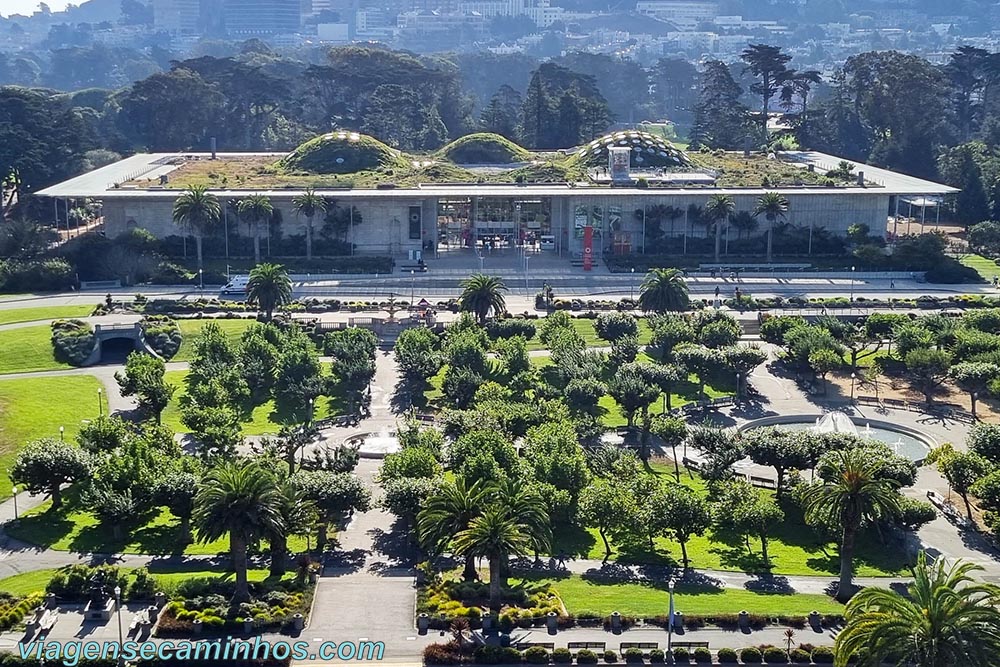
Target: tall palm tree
point(947, 619)
point(240, 500)
point(256, 210)
point(197, 211)
point(269, 287)
point(526, 506)
point(495, 535)
point(663, 290)
point(482, 294)
point(309, 204)
point(447, 513)
point(718, 209)
point(851, 495)
point(298, 515)
point(772, 205)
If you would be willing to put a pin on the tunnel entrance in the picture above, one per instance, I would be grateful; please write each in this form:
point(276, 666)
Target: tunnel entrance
point(116, 350)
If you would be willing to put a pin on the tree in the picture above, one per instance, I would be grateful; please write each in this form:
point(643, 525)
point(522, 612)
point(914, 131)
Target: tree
point(447, 513)
point(768, 64)
point(197, 211)
point(335, 494)
point(144, 378)
point(405, 496)
point(773, 206)
point(743, 359)
point(719, 209)
point(609, 507)
point(780, 449)
point(682, 514)
point(663, 290)
point(241, 500)
point(759, 517)
point(583, 395)
point(255, 210)
point(500, 115)
point(269, 287)
point(614, 325)
point(169, 111)
point(43, 466)
point(631, 391)
point(927, 370)
point(309, 204)
point(962, 470)
point(946, 618)
point(410, 462)
point(984, 439)
point(850, 496)
point(720, 118)
point(417, 356)
point(553, 453)
point(669, 331)
point(672, 431)
point(495, 535)
point(974, 378)
point(703, 361)
point(297, 515)
point(823, 361)
point(481, 295)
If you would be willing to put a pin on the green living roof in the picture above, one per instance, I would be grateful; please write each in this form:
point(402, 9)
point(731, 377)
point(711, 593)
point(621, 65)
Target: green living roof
point(341, 152)
point(648, 151)
point(484, 148)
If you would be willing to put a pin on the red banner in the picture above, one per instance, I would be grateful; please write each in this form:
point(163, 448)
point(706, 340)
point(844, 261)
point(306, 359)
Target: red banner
point(588, 248)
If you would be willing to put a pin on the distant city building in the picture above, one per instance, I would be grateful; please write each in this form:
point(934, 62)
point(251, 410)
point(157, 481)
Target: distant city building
point(685, 14)
point(265, 17)
point(178, 17)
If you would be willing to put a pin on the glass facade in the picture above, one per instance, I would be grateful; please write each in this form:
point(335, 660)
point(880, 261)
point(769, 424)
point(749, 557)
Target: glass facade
point(495, 223)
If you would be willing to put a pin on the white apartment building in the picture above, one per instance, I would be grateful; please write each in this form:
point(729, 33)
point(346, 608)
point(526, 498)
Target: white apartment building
point(685, 14)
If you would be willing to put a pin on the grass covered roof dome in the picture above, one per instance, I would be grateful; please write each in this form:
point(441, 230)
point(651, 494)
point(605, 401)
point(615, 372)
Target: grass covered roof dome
point(342, 152)
point(483, 148)
point(648, 150)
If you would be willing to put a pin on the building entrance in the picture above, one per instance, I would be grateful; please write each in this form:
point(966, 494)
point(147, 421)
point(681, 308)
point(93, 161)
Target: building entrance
point(495, 224)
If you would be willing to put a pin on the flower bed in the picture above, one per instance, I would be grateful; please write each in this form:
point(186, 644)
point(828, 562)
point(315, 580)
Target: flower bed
point(456, 653)
point(523, 606)
point(14, 609)
point(271, 611)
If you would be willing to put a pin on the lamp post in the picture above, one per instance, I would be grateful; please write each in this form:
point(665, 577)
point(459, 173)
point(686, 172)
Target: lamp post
point(851, 305)
point(62, 431)
point(631, 286)
point(412, 279)
point(14, 492)
point(100, 403)
point(312, 403)
point(526, 258)
point(118, 608)
point(854, 377)
point(201, 279)
point(670, 624)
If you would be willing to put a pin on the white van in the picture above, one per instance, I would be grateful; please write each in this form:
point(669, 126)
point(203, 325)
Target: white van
point(236, 285)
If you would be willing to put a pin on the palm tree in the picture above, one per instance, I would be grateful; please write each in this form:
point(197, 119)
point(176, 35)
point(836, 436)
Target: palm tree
point(772, 205)
point(482, 294)
point(309, 204)
point(946, 619)
point(526, 506)
point(240, 500)
point(198, 211)
point(851, 495)
point(268, 287)
point(495, 535)
point(663, 290)
point(718, 209)
point(256, 210)
point(447, 513)
point(298, 515)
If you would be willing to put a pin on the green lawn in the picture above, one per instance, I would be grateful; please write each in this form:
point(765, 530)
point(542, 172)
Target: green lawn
point(28, 349)
point(73, 529)
point(987, 268)
point(32, 408)
point(15, 315)
point(258, 419)
point(647, 600)
point(585, 327)
point(168, 578)
point(190, 328)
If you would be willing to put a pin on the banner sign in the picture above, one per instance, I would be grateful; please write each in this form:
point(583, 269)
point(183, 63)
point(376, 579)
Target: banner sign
point(588, 248)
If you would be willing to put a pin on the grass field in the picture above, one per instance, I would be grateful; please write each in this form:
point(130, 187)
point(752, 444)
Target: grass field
point(190, 328)
point(32, 408)
point(15, 315)
point(73, 529)
point(581, 594)
point(987, 268)
point(257, 420)
point(167, 578)
point(28, 349)
point(585, 327)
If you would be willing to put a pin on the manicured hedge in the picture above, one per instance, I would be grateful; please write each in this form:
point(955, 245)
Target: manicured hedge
point(72, 341)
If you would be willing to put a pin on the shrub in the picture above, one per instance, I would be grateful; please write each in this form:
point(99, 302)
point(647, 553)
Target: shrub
point(72, 341)
point(562, 656)
point(162, 334)
point(510, 327)
point(143, 586)
point(611, 657)
point(442, 654)
point(536, 655)
point(681, 655)
point(586, 657)
point(751, 655)
point(727, 655)
point(801, 656)
point(775, 656)
point(631, 655)
point(657, 656)
point(822, 655)
point(44, 276)
point(702, 655)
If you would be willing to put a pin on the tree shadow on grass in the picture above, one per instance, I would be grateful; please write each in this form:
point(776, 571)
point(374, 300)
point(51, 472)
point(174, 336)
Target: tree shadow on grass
point(44, 529)
point(572, 540)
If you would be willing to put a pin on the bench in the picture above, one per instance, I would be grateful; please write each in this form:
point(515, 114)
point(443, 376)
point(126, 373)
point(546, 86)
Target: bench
point(523, 646)
point(642, 646)
point(688, 645)
point(47, 622)
point(593, 646)
point(416, 268)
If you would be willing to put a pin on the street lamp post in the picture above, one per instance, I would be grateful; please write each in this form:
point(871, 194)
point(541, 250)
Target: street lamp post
point(851, 305)
point(854, 377)
point(312, 403)
point(14, 491)
point(118, 608)
point(670, 624)
point(100, 403)
point(62, 431)
point(412, 280)
point(201, 279)
point(526, 258)
point(631, 286)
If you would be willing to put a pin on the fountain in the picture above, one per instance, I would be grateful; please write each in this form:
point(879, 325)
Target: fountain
point(835, 422)
point(375, 445)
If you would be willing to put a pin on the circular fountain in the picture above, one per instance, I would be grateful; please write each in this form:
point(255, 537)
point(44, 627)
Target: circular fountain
point(908, 442)
point(375, 445)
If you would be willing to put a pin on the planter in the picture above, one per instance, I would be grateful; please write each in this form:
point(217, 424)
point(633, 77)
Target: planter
point(298, 621)
point(678, 620)
point(616, 621)
point(161, 599)
point(552, 621)
point(50, 600)
point(197, 626)
point(423, 622)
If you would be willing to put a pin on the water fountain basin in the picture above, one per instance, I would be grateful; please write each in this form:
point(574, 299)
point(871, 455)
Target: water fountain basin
point(375, 445)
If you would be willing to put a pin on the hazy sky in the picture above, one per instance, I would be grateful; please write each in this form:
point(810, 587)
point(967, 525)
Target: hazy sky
point(27, 7)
